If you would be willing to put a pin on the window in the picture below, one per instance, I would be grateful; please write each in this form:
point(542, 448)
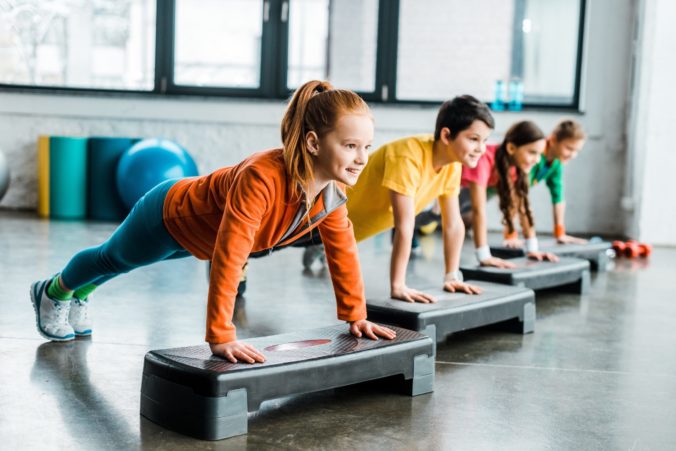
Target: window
point(451, 47)
point(89, 44)
point(218, 43)
point(334, 40)
point(386, 50)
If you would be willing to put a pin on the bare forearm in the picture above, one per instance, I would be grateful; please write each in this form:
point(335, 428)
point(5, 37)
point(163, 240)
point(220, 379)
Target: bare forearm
point(479, 227)
point(401, 251)
point(454, 235)
point(526, 227)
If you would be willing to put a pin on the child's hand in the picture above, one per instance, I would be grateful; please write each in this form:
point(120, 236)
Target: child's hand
point(567, 239)
point(407, 294)
point(497, 263)
point(513, 243)
point(371, 330)
point(457, 286)
point(236, 351)
point(542, 256)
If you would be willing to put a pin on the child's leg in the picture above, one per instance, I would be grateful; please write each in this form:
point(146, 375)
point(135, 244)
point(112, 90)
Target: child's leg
point(84, 291)
point(140, 240)
point(314, 248)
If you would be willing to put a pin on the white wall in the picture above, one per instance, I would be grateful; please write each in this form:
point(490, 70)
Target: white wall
point(219, 132)
point(650, 191)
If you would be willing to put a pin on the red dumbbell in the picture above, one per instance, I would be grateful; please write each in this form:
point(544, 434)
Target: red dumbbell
point(632, 249)
point(618, 247)
point(645, 250)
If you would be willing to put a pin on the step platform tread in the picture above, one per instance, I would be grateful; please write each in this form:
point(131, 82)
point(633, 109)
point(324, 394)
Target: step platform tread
point(454, 312)
point(284, 349)
point(569, 272)
point(594, 251)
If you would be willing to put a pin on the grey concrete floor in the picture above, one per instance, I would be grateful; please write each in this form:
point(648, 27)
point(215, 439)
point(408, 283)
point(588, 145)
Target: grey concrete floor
point(598, 373)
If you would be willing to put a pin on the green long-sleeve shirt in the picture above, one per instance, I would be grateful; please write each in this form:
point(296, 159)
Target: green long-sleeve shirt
point(552, 174)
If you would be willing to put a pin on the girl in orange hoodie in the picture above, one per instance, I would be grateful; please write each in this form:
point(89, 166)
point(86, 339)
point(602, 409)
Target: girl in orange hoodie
point(265, 202)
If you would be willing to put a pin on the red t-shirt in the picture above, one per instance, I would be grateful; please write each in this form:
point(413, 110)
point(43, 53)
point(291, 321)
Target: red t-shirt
point(484, 174)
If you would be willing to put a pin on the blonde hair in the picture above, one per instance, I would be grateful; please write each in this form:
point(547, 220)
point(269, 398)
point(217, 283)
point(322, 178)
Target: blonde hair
point(315, 107)
point(568, 129)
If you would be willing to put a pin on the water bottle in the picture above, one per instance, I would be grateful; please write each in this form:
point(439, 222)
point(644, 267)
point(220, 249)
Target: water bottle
point(515, 94)
point(498, 103)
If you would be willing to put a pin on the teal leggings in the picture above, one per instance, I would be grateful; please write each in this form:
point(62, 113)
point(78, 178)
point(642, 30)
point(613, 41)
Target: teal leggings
point(140, 240)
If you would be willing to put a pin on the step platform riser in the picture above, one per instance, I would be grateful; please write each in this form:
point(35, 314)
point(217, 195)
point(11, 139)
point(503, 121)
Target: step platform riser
point(189, 391)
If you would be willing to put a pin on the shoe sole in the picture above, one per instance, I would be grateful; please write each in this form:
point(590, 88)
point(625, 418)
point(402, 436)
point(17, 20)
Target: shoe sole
point(35, 300)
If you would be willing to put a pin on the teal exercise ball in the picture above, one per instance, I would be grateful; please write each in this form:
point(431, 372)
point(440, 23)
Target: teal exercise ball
point(148, 163)
point(4, 175)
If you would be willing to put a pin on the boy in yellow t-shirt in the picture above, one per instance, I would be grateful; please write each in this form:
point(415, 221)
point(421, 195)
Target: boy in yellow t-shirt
point(402, 177)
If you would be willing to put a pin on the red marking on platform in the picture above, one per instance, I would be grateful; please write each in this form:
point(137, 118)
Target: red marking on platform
point(297, 345)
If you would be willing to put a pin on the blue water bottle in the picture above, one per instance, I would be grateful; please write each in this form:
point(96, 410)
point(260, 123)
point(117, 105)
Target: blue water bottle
point(498, 103)
point(515, 94)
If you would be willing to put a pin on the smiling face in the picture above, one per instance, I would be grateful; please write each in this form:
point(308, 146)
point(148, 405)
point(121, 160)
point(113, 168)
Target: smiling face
point(342, 153)
point(468, 145)
point(527, 155)
point(564, 150)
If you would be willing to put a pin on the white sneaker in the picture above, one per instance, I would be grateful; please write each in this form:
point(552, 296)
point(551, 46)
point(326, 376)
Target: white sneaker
point(79, 317)
point(312, 253)
point(51, 316)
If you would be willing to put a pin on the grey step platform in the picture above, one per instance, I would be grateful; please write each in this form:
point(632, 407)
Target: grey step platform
point(455, 312)
point(568, 274)
point(598, 253)
point(190, 391)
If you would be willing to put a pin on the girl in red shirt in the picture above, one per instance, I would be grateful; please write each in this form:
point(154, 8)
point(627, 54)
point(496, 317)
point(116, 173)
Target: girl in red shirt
point(506, 168)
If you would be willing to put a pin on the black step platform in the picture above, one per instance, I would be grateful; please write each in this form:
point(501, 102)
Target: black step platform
point(455, 312)
point(190, 391)
point(568, 274)
point(598, 253)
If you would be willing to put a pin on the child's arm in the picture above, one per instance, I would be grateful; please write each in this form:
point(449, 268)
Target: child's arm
point(342, 257)
point(560, 228)
point(511, 240)
point(245, 205)
point(453, 230)
point(532, 249)
point(403, 210)
point(483, 252)
point(555, 186)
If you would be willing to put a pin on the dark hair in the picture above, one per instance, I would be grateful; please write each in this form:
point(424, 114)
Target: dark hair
point(315, 106)
point(459, 114)
point(515, 192)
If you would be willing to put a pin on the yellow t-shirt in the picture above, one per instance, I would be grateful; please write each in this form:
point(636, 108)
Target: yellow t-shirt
point(404, 166)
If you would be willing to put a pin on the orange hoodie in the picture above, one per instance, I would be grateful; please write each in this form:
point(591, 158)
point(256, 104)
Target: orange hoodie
point(250, 207)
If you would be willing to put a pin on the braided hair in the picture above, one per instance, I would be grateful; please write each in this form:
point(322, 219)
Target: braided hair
point(513, 194)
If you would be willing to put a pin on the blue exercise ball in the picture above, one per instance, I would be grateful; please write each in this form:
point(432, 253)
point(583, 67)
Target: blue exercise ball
point(4, 175)
point(148, 163)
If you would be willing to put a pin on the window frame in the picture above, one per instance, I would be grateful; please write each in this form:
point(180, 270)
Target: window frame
point(274, 62)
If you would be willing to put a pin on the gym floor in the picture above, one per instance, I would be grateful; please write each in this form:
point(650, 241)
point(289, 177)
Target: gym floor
point(598, 373)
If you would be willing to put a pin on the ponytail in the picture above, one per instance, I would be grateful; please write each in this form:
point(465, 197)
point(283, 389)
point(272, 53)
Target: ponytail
point(314, 107)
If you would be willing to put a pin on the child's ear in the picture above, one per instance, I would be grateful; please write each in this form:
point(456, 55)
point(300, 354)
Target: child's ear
point(312, 143)
point(446, 135)
point(511, 148)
